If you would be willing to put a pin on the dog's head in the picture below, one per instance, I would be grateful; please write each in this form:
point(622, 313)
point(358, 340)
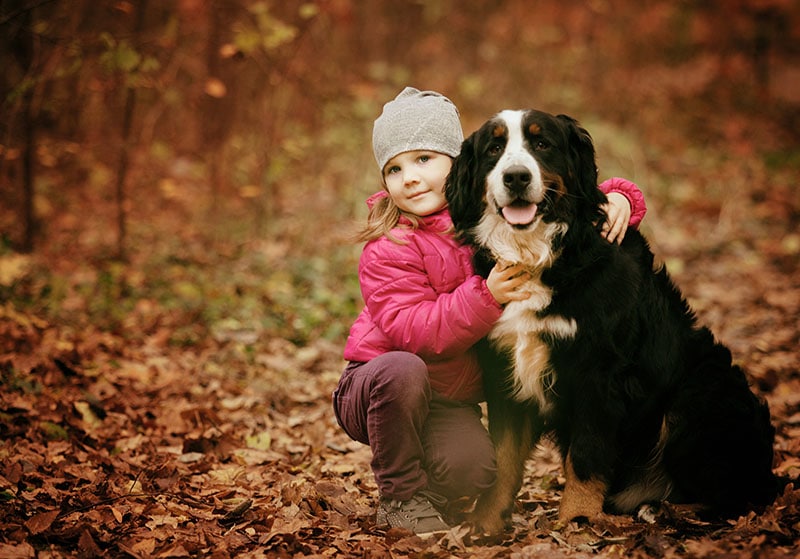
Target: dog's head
point(522, 172)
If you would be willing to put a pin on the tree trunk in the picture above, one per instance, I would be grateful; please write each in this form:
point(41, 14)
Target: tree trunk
point(127, 145)
point(28, 175)
point(122, 171)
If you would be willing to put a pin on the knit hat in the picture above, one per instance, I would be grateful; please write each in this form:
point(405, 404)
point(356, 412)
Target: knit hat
point(416, 120)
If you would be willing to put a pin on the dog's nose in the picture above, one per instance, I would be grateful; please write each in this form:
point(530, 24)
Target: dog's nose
point(517, 178)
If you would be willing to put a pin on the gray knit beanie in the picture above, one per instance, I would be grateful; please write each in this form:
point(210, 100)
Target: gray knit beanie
point(416, 120)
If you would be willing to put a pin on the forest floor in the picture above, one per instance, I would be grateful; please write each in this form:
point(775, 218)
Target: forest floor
point(155, 434)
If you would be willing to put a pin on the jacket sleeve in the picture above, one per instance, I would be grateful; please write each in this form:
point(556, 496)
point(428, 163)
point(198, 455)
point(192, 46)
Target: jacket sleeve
point(414, 317)
point(632, 193)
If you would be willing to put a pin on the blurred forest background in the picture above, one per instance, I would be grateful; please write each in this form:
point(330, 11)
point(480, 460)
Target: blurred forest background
point(197, 130)
point(178, 180)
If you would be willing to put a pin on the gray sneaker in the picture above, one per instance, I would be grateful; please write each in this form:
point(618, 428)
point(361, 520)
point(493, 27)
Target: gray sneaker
point(417, 514)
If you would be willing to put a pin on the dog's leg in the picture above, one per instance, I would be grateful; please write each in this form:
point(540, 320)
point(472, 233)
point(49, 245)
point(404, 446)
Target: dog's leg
point(514, 440)
point(581, 498)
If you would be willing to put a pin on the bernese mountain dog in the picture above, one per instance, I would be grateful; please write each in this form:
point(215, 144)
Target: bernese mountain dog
point(606, 356)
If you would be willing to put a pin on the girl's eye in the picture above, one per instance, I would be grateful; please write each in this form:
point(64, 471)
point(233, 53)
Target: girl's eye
point(424, 158)
point(392, 170)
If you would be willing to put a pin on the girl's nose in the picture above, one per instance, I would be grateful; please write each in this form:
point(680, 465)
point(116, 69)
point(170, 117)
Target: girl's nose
point(410, 176)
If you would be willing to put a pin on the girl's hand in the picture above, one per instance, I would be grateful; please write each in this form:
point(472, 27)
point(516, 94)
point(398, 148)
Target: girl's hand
point(504, 280)
point(618, 210)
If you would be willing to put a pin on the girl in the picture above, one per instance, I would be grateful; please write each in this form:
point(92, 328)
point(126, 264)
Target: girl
point(412, 385)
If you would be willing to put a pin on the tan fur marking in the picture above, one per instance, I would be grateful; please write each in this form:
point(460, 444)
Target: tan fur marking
point(499, 131)
point(555, 184)
point(581, 498)
point(492, 504)
point(535, 128)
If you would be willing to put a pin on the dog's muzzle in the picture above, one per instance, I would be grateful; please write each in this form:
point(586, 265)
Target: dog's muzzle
point(517, 179)
point(519, 207)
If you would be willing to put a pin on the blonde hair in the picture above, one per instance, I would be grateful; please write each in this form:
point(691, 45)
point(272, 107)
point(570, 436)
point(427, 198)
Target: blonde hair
point(383, 217)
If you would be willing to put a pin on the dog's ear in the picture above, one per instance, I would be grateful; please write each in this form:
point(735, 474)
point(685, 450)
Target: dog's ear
point(461, 191)
point(584, 167)
point(582, 153)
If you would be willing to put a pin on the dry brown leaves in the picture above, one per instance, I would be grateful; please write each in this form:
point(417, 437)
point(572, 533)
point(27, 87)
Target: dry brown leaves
point(220, 451)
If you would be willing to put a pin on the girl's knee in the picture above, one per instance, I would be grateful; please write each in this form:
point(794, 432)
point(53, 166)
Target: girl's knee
point(404, 374)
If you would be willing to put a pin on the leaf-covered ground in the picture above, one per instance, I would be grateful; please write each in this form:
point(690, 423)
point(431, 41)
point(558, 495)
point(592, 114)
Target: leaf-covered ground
point(230, 449)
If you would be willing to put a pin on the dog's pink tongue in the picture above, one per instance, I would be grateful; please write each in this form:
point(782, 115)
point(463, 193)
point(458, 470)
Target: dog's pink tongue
point(519, 215)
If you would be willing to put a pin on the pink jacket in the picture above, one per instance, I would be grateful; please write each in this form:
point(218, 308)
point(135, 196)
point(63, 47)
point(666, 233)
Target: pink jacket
point(424, 297)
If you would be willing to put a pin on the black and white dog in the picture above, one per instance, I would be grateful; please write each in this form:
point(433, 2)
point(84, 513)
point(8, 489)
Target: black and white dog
point(606, 355)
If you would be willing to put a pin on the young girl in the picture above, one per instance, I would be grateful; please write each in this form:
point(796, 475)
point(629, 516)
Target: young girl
point(412, 386)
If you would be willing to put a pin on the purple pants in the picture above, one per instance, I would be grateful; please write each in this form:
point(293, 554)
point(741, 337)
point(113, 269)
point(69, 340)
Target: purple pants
point(419, 439)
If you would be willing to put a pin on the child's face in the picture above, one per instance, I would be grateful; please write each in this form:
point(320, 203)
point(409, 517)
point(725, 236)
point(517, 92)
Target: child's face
point(415, 181)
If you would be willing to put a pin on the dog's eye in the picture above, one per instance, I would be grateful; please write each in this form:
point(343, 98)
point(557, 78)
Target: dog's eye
point(541, 145)
point(494, 149)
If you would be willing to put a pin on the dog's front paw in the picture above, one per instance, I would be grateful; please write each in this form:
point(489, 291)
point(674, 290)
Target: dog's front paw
point(582, 500)
point(486, 524)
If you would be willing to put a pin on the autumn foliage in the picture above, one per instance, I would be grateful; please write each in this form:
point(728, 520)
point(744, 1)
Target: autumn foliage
point(178, 181)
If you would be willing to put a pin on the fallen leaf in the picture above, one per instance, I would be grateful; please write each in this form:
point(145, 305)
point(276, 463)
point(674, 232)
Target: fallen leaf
point(42, 521)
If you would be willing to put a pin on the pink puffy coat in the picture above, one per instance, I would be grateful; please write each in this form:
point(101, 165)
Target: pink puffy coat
point(424, 297)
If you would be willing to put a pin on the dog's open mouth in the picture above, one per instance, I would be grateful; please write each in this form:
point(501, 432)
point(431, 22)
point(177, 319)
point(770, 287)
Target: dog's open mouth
point(519, 213)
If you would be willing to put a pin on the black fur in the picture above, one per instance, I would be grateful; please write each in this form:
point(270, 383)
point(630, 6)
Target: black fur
point(638, 366)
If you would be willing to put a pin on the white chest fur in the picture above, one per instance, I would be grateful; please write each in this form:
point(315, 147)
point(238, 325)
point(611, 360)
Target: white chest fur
point(519, 332)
